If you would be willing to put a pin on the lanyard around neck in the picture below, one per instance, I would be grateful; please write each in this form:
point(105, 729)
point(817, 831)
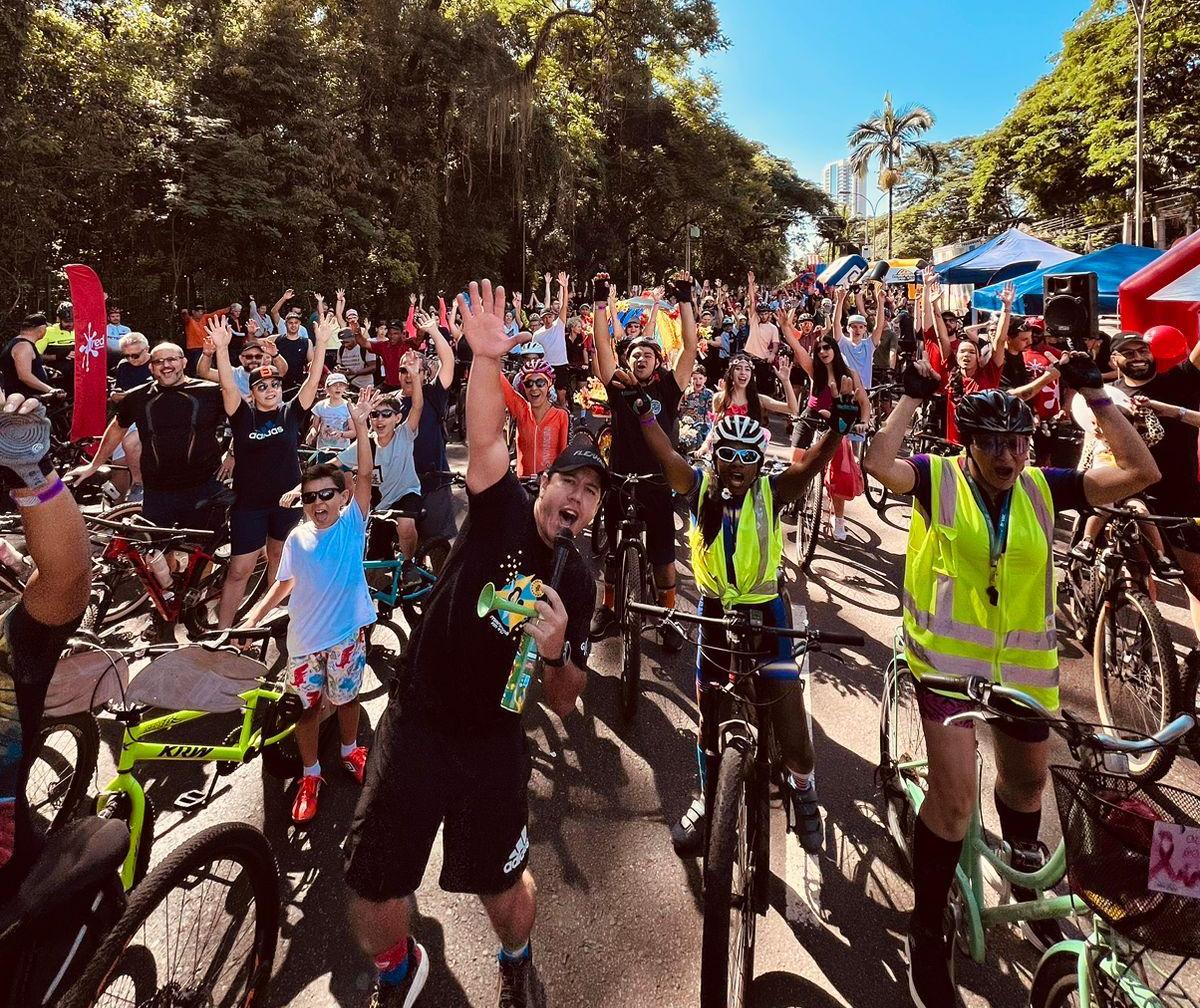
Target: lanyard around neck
point(997, 531)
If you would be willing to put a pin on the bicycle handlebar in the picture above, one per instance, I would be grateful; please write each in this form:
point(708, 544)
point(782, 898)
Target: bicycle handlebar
point(1074, 731)
point(1125, 512)
point(146, 532)
point(741, 622)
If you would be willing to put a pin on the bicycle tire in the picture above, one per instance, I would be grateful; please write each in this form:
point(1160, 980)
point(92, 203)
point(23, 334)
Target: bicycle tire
point(118, 807)
point(199, 614)
point(901, 740)
point(58, 801)
point(188, 869)
point(729, 916)
point(598, 531)
point(1056, 982)
point(631, 588)
point(383, 658)
point(120, 592)
point(1191, 695)
point(1155, 685)
point(808, 520)
point(875, 492)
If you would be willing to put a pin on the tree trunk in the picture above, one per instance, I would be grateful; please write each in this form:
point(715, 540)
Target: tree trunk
point(890, 189)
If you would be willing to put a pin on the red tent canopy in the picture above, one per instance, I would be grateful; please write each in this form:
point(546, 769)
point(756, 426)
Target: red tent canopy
point(1165, 292)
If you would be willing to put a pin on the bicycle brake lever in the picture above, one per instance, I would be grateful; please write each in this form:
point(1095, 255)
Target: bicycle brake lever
point(971, 715)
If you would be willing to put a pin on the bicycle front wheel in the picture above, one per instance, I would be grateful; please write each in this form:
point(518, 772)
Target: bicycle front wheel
point(727, 948)
point(902, 755)
point(632, 589)
point(1056, 985)
point(1135, 675)
point(200, 930)
point(808, 521)
point(63, 764)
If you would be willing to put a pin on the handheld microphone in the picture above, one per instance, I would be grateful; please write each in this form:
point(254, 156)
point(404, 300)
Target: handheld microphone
point(564, 543)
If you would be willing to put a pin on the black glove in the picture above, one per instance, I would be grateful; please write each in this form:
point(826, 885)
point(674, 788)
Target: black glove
point(600, 287)
point(24, 445)
point(681, 287)
point(639, 401)
point(1079, 370)
point(917, 385)
point(845, 414)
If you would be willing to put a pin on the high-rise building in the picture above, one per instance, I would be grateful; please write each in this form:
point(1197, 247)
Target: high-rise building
point(844, 187)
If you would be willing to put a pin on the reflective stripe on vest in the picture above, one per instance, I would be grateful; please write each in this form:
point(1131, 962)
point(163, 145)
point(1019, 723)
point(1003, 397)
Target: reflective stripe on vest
point(758, 548)
point(949, 624)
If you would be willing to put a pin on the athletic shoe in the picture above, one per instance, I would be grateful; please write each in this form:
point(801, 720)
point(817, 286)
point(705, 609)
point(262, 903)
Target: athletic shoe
point(839, 529)
point(136, 494)
point(519, 985)
point(604, 624)
point(929, 980)
point(1165, 567)
point(672, 638)
point(305, 805)
point(1084, 550)
point(687, 835)
point(1041, 934)
point(404, 994)
point(356, 763)
point(804, 817)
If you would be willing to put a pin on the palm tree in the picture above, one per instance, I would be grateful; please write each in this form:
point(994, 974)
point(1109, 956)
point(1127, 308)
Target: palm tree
point(888, 137)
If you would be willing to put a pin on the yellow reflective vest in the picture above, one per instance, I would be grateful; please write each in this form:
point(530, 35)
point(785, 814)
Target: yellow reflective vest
point(950, 625)
point(757, 548)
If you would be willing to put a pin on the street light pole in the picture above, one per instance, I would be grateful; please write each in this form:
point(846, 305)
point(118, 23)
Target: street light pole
point(1139, 13)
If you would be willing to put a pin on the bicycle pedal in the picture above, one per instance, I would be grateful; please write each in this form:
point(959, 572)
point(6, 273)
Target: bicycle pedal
point(191, 800)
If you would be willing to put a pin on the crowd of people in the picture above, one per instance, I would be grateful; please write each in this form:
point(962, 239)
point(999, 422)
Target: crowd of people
point(246, 413)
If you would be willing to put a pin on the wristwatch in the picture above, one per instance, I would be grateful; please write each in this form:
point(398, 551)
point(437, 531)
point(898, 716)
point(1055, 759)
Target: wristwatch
point(561, 660)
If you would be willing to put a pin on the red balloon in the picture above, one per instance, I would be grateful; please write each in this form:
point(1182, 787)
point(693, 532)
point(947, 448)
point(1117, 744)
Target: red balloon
point(1168, 345)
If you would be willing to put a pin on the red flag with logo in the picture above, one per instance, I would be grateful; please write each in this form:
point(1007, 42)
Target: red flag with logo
point(91, 353)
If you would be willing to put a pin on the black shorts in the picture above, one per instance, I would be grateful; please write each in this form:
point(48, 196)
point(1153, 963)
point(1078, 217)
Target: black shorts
point(656, 509)
point(1025, 727)
point(419, 778)
point(439, 522)
point(249, 528)
point(381, 535)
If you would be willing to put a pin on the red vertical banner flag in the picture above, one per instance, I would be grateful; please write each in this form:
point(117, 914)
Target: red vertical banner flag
point(91, 353)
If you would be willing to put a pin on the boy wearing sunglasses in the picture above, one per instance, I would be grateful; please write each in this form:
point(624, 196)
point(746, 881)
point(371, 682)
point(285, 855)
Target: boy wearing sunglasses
point(541, 426)
point(330, 606)
point(735, 509)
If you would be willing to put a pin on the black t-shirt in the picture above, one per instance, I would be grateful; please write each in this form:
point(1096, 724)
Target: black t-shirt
point(130, 376)
point(9, 378)
point(460, 662)
point(265, 447)
point(1015, 372)
point(1178, 492)
point(28, 654)
point(178, 428)
point(295, 352)
point(630, 453)
point(429, 450)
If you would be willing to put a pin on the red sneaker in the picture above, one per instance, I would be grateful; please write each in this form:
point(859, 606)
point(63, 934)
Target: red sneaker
point(356, 763)
point(305, 805)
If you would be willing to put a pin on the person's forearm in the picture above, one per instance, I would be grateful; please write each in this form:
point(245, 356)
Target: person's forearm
point(886, 443)
point(485, 405)
point(25, 373)
point(416, 404)
point(204, 366)
point(57, 541)
point(114, 433)
point(276, 594)
point(1035, 386)
point(562, 687)
point(1129, 451)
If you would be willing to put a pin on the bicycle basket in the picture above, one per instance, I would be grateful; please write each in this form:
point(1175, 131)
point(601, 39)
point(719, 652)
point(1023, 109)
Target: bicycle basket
point(1108, 826)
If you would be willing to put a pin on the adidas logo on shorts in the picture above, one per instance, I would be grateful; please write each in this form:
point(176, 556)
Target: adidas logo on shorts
point(518, 852)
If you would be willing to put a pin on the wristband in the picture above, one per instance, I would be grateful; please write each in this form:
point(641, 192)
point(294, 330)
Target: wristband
point(649, 419)
point(47, 494)
point(1100, 401)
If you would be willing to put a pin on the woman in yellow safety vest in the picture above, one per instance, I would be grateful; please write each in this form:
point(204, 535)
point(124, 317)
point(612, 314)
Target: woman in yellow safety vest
point(978, 600)
point(736, 544)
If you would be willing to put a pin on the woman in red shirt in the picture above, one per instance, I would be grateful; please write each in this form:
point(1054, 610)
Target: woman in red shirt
point(542, 428)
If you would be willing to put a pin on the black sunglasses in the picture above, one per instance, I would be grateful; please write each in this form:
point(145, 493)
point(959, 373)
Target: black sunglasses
point(376, 414)
point(537, 384)
point(325, 494)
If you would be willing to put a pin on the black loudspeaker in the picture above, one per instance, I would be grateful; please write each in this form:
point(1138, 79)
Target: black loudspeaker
point(876, 270)
point(1070, 307)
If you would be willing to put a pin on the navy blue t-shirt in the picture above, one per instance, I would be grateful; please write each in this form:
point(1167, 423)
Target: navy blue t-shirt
point(429, 451)
point(265, 446)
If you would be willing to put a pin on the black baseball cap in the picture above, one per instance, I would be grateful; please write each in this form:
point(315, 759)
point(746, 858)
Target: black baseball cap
point(580, 455)
point(1124, 338)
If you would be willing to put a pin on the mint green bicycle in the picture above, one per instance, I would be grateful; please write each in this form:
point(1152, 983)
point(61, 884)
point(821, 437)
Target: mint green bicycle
point(1107, 821)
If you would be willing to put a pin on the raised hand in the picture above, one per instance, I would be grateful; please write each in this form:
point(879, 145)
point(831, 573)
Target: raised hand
point(750, 278)
point(360, 410)
point(219, 332)
point(326, 332)
point(412, 299)
point(563, 280)
point(414, 363)
point(841, 294)
point(289, 294)
point(1007, 293)
point(483, 321)
point(427, 322)
point(341, 294)
point(547, 277)
point(516, 299)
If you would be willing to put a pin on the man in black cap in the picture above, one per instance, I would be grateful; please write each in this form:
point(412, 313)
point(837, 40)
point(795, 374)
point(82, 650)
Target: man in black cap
point(451, 747)
point(21, 368)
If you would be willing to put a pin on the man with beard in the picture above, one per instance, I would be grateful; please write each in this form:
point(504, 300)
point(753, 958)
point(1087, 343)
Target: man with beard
point(1178, 491)
point(630, 454)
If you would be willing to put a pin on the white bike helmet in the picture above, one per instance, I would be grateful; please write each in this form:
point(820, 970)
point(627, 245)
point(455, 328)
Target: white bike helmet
point(740, 430)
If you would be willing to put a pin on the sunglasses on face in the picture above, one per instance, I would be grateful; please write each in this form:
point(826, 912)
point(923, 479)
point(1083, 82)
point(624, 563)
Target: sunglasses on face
point(133, 356)
point(324, 494)
point(163, 360)
point(376, 414)
point(264, 386)
point(997, 444)
point(536, 384)
point(747, 456)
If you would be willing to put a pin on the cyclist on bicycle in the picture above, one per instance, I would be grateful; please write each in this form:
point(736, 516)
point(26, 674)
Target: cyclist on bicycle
point(979, 600)
point(33, 632)
point(735, 556)
point(630, 455)
point(542, 427)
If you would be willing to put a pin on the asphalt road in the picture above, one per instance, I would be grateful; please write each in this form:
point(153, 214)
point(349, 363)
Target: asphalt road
point(619, 915)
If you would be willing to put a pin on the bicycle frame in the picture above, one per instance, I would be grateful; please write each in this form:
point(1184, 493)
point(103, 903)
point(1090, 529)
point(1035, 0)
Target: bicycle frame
point(135, 750)
point(392, 596)
point(120, 548)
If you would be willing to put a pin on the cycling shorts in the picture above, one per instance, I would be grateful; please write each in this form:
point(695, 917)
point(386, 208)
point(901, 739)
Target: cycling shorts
point(937, 707)
point(657, 509)
point(421, 778)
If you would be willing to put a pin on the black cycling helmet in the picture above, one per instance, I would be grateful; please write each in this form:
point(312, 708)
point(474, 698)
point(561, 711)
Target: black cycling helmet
point(994, 412)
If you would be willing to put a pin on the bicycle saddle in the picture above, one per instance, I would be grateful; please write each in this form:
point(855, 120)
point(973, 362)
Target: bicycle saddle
point(78, 857)
point(195, 678)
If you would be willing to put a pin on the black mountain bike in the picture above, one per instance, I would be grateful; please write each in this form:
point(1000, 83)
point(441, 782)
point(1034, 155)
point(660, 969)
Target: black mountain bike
point(737, 860)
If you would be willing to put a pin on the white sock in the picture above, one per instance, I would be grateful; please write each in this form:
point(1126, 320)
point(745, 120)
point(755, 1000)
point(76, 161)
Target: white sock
point(314, 770)
point(803, 781)
point(348, 749)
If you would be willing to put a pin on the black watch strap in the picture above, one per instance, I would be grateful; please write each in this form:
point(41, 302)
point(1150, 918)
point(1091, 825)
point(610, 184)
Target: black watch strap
point(561, 660)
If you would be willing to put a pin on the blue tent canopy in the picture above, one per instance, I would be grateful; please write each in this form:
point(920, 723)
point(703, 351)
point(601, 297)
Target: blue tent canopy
point(841, 269)
point(1111, 266)
point(980, 265)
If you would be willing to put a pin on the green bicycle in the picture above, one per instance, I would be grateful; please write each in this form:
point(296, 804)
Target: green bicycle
point(1105, 816)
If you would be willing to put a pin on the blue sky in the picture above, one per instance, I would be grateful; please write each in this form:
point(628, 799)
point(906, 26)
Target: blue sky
point(797, 77)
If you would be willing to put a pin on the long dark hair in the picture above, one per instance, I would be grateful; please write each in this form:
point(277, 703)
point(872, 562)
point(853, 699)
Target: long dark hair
point(754, 408)
point(820, 375)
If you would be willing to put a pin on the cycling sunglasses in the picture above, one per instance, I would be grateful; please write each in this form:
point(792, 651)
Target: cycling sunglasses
point(536, 384)
point(747, 456)
point(996, 444)
point(376, 414)
point(325, 494)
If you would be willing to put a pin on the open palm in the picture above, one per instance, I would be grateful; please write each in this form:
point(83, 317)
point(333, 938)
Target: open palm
point(483, 321)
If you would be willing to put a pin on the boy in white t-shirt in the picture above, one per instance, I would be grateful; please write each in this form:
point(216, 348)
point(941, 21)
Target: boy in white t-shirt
point(330, 608)
point(331, 416)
